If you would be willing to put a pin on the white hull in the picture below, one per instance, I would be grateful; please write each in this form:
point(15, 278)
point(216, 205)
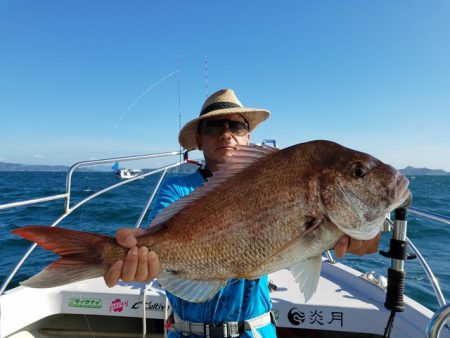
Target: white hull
point(128, 173)
point(343, 303)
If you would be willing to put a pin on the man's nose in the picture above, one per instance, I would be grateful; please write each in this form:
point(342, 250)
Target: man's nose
point(225, 130)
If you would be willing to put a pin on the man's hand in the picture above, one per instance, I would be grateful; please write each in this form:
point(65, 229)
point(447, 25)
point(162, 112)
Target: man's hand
point(140, 264)
point(347, 244)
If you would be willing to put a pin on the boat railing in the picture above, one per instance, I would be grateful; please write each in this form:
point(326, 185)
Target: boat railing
point(68, 208)
point(431, 277)
point(440, 317)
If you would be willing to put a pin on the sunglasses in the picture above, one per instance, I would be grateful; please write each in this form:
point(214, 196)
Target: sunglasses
point(216, 127)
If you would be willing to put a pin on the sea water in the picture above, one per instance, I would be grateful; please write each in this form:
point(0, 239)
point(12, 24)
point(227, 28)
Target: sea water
point(122, 207)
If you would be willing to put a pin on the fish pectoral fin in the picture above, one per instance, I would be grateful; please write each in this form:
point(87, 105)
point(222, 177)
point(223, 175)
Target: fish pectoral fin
point(312, 222)
point(307, 274)
point(195, 291)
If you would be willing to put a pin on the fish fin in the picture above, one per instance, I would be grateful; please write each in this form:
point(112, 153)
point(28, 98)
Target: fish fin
point(195, 291)
point(242, 157)
point(307, 274)
point(63, 274)
point(79, 251)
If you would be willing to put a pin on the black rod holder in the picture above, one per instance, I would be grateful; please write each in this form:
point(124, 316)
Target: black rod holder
point(398, 254)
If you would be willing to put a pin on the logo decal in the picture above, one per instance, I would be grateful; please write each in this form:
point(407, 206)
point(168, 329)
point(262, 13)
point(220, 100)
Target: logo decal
point(149, 306)
point(91, 303)
point(295, 316)
point(118, 305)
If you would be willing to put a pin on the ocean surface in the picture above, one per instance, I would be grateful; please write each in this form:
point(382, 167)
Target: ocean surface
point(122, 206)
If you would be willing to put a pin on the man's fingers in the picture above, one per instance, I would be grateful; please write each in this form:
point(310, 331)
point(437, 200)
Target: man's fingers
point(148, 265)
point(113, 274)
point(355, 246)
point(126, 237)
point(142, 267)
point(130, 265)
point(341, 246)
point(153, 265)
point(364, 247)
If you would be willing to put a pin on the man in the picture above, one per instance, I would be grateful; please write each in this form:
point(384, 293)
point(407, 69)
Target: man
point(223, 124)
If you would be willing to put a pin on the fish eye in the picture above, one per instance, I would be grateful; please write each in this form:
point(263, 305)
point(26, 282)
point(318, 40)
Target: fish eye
point(358, 170)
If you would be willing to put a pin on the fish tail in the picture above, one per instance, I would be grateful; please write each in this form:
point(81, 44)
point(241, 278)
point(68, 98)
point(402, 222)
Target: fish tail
point(80, 255)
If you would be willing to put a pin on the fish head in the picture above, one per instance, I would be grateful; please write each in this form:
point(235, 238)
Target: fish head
point(358, 191)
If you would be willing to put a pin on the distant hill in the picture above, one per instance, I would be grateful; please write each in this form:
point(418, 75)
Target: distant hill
point(4, 166)
point(423, 171)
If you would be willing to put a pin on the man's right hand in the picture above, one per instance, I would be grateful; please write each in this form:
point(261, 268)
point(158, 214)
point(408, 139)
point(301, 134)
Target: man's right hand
point(140, 264)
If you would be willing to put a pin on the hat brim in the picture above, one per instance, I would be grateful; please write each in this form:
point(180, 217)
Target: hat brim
point(187, 135)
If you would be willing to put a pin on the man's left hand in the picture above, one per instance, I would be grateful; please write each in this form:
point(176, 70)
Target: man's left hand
point(358, 247)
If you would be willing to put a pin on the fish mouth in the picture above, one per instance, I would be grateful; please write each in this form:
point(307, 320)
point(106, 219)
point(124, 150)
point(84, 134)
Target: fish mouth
point(403, 196)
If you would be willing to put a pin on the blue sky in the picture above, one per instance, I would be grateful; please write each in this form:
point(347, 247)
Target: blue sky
point(84, 80)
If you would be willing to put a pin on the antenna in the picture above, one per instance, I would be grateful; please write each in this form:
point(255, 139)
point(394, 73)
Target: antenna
point(206, 75)
point(179, 100)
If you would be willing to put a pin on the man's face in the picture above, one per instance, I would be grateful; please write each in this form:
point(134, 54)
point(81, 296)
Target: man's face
point(217, 139)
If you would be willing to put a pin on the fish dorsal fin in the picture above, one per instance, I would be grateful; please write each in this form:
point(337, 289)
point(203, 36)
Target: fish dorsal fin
point(242, 158)
point(307, 274)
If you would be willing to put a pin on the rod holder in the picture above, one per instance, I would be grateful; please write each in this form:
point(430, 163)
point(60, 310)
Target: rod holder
point(398, 254)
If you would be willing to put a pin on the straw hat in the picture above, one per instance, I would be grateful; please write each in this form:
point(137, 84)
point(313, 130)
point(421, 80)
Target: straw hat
point(222, 102)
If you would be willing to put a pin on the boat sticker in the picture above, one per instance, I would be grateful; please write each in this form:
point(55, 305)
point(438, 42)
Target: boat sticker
point(118, 305)
point(150, 306)
point(91, 303)
point(315, 317)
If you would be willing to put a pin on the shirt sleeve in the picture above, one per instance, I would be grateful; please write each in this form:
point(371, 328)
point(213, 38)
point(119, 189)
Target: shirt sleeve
point(173, 189)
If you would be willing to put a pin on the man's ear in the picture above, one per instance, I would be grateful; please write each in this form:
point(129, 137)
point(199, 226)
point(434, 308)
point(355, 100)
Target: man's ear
point(248, 138)
point(198, 138)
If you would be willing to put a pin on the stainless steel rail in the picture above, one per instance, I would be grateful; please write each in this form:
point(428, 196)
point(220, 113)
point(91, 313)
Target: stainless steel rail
point(80, 165)
point(437, 321)
point(429, 215)
point(112, 160)
point(68, 209)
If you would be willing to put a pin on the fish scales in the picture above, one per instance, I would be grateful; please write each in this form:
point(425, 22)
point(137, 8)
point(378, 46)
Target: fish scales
point(246, 236)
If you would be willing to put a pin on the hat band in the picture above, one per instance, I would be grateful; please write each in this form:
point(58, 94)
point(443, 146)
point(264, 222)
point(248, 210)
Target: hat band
point(219, 105)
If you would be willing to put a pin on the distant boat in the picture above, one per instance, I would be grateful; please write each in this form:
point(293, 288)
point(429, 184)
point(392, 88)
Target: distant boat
point(128, 173)
point(125, 173)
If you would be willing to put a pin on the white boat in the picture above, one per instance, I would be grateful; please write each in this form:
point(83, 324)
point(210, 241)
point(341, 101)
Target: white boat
point(348, 303)
point(128, 173)
point(125, 173)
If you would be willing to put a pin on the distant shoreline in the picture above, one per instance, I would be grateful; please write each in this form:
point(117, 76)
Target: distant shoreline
point(411, 171)
point(4, 166)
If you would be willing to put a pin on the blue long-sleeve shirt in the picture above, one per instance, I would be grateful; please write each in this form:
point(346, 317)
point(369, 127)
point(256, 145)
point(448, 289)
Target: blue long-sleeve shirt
point(240, 300)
